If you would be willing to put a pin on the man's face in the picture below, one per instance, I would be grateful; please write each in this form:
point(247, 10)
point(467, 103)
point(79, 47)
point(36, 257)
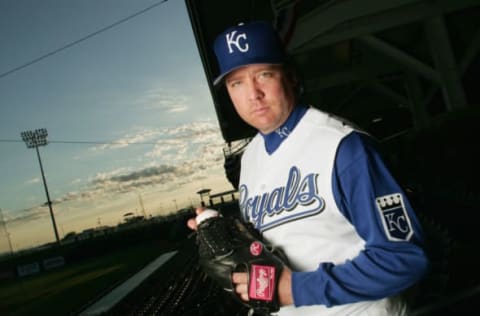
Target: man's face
point(262, 95)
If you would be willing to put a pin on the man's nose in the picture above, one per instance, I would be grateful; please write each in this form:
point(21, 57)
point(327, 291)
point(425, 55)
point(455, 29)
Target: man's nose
point(254, 90)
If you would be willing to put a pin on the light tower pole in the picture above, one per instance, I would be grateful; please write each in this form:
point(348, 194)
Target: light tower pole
point(7, 234)
point(34, 139)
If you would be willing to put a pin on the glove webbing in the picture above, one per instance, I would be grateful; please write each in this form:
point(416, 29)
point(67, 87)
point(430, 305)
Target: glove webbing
point(217, 239)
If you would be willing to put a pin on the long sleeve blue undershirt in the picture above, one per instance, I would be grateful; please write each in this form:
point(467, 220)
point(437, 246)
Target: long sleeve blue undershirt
point(384, 268)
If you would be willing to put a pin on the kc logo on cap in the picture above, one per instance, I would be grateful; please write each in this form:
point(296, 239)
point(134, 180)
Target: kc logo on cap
point(246, 44)
point(234, 39)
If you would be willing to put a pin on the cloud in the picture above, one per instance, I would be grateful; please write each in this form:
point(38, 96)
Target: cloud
point(180, 154)
point(24, 215)
point(33, 181)
point(139, 137)
point(169, 101)
point(177, 108)
point(135, 176)
point(168, 138)
point(183, 154)
point(77, 181)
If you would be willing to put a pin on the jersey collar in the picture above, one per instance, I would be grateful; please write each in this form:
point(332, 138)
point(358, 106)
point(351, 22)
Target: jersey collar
point(275, 138)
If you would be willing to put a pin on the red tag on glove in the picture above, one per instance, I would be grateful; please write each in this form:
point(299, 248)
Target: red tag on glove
point(262, 282)
point(256, 248)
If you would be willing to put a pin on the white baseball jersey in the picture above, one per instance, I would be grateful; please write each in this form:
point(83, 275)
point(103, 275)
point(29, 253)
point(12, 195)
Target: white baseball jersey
point(316, 189)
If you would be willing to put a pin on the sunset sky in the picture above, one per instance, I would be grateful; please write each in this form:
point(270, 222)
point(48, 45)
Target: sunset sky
point(120, 88)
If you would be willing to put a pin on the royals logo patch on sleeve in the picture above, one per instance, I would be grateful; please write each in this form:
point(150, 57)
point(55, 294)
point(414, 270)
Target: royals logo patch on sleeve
point(394, 217)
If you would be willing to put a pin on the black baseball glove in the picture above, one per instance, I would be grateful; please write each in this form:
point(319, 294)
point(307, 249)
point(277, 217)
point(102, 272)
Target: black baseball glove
point(227, 245)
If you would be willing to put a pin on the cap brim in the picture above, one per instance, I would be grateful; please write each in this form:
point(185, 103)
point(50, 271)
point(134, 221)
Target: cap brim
point(220, 78)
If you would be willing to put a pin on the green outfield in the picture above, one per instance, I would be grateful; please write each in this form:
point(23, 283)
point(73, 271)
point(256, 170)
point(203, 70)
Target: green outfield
point(66, 290)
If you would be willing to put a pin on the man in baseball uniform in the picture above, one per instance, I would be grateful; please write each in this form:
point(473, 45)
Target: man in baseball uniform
point(316, 188)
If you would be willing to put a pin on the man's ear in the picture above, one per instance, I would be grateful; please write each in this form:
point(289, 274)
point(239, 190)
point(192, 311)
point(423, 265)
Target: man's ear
point(294, 80)
point(297, 84)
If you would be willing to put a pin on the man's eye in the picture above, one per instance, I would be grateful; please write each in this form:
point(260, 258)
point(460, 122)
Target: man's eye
point(266, 74)
point(234, 84)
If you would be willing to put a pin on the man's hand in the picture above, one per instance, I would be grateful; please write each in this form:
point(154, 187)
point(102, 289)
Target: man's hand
point(240, 280)
point(192, 222)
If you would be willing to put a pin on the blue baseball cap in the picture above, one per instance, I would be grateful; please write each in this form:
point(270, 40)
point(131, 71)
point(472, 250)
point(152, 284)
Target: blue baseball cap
point(246, 44)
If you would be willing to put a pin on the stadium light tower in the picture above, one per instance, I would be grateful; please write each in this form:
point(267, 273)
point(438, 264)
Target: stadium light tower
point(35, 139)
point(5, 231)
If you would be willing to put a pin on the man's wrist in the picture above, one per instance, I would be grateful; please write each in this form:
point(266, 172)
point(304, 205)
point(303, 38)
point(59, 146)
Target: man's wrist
point(285, 296)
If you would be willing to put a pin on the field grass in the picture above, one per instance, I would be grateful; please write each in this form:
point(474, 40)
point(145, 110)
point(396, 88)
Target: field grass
point(66, 290)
